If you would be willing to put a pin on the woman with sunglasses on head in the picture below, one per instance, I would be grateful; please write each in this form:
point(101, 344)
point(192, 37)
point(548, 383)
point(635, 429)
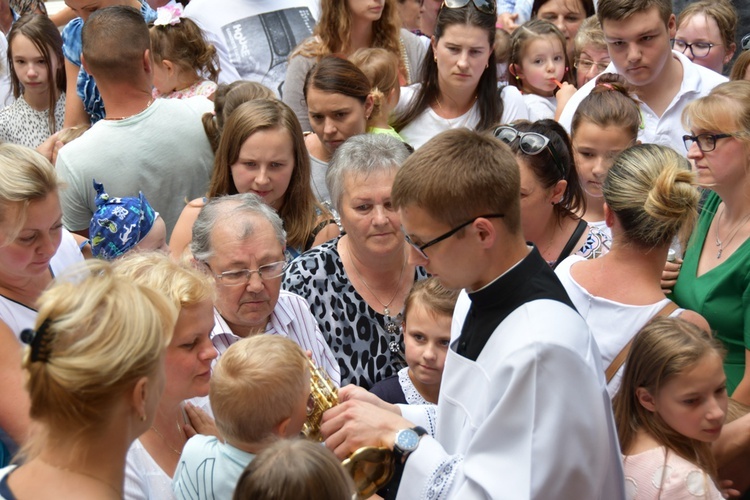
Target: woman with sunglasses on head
point(458, 83)
point(344, 27)
point(551, 193)
point(649, 199)
point(715, 276)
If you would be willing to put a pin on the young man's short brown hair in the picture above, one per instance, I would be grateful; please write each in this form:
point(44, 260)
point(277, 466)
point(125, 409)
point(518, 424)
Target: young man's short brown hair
point(461, 174)
point(114, 40)
point(619, 10)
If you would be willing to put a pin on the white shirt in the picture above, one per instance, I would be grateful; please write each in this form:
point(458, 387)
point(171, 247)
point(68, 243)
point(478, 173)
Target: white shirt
point(540, 107)
point(666, 130)
point(504, 430)
point(428, 124)
point(290, 318)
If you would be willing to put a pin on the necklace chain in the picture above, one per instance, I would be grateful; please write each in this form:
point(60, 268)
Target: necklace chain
point(118, 491)
point(386, 311)
point(722, 244)
point(179, 453)
point(117, 119)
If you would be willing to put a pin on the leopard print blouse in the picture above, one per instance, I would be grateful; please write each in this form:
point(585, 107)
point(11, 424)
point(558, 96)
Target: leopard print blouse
point(355, 332)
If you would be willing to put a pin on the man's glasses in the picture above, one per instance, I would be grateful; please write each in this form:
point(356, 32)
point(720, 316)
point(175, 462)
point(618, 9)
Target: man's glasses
point(421, 248)
point(486, 6)
point(698, 49)
point(531, 143)
point(584, 65)
point(706, 142)
point(242, 276)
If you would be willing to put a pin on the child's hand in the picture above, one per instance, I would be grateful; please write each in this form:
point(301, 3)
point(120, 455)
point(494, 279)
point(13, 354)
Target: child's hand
point(199, 423)
point(563, 95)
point(726, 489)
point(669, 275)
point(507, 21)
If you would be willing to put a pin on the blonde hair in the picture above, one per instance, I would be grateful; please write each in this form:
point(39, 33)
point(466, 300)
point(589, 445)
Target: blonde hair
point(27, 176)
point(739, 68)
point(652, 192)
point(381, 69)
point(589, 33)
point(295, 469)
point(725, 109)
point(662, 350)
point(67, 135)
point(180, 282)
point(257, 383)
point(100, 335)
point(430, 294)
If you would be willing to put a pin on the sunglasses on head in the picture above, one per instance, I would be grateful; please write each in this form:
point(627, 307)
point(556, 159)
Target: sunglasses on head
point(531, 143)
point(486, 6)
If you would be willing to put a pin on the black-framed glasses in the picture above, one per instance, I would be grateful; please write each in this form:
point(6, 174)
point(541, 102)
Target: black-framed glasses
point(531, 143)
point(445, 236)
point(486, 6)
point(585, 65)
point(706, 142)
point(242, 276)
point(698, 49)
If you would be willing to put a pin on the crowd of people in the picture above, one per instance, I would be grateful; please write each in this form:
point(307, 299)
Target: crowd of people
point(500, 245)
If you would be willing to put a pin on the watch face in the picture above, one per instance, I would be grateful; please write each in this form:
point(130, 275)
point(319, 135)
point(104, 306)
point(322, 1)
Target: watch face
point(407, 440)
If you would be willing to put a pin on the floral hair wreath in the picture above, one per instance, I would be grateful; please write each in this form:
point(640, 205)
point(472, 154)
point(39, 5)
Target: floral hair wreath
point(169, 15)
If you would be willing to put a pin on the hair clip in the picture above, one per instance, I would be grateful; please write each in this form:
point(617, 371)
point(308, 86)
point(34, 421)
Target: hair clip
point(169, 15)
point(607, 86)
point(38, 341)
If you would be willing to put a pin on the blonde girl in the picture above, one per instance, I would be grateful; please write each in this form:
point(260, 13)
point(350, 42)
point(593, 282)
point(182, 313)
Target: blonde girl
point(428, 311)
point(95, 373)
point(381, 69)
point(539, 67)
point(605, 124)
point(670, 408)
point(38, 82)
point(185, 64)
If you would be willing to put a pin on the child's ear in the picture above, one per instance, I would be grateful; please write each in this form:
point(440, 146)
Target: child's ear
point(645, 399)
point(369, 105)
point(514, 70)
point(282, 428)
point(168, 66)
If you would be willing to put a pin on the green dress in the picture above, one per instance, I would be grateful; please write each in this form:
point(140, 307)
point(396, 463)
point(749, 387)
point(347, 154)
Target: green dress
point(722, 295)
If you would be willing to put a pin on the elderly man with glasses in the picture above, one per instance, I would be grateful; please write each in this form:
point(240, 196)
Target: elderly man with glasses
point(240, 241)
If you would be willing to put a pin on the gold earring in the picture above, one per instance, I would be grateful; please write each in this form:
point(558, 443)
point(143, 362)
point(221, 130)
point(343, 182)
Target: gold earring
point(435, 58)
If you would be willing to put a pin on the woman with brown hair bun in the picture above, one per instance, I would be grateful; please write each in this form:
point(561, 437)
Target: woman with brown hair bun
point(345, 26)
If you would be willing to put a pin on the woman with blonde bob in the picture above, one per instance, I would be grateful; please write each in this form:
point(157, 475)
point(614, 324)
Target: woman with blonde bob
point(153, 457)
point(34, 247)
point(295, 469)
point(715, 276)
point(649, 198)
point(343, 27)
point(262, 151)
point(95, 373)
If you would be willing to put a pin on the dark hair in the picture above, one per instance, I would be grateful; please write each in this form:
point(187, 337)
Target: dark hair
point(545, 169)
point(335, 75)
point(114, 40)
point(488, 95)
point(43, 33)
point(185, 45)
point(588, 7)
point(619, 10)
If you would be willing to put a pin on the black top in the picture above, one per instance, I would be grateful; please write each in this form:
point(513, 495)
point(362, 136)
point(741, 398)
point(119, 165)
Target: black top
point(389, 390)
point(532, 279)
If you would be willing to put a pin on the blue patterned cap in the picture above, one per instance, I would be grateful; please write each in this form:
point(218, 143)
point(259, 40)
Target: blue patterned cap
point(118, 224)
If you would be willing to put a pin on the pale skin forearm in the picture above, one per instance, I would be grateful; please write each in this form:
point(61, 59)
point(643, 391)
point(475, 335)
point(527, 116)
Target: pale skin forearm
point(75, 114)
